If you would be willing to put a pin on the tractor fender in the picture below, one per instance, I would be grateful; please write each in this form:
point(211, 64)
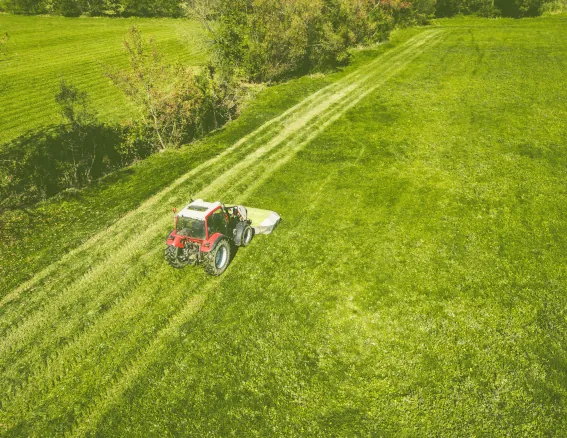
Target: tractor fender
point(212, 242)
point(177, 241)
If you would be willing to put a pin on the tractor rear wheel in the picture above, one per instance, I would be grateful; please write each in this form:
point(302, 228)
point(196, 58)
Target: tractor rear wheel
point(217, 260)
point(172, 254)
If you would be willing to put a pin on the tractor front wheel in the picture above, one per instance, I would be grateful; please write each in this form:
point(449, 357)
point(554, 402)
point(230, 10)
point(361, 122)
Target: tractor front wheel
point(243, 234)
point(217, 260)
point(247, 235)
point(172, 256)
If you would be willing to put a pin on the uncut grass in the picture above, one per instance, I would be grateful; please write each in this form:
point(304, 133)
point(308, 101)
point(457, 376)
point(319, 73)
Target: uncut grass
point(404, 289)
point(434, 301)
point(43, 50)
point(70, 325)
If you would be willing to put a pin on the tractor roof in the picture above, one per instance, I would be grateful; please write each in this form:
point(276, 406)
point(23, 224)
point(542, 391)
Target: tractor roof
point(198, 209)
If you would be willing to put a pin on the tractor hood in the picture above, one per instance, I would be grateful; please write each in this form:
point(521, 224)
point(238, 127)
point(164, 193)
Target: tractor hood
point(263, 221)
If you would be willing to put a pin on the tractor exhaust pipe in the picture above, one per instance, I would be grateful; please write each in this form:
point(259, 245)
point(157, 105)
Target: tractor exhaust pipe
point(175, 219)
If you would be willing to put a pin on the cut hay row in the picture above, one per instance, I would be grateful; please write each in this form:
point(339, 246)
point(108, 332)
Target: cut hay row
point(103, 281)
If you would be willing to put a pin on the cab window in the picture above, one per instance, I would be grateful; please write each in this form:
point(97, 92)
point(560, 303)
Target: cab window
point(216, 222)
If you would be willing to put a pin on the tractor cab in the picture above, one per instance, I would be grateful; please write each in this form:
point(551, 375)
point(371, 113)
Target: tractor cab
point(217, 222)
point(199, 220)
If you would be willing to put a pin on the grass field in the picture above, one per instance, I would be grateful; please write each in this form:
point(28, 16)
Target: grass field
point(43, 50)
point(416, 286)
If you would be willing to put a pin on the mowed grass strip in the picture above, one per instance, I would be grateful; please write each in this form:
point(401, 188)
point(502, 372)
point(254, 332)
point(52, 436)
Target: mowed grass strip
point(43, 50)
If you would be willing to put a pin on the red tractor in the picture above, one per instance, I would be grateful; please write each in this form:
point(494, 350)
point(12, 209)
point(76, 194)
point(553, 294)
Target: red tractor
point(206, 232)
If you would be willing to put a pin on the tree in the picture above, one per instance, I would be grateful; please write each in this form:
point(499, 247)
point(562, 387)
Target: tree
point(146, 82)
point(177, 104)
point(267, 40)
point(26, 6)
point(205, 11)
point(519, 8)
point(152, 8)
point(78, 143)
point(74, 105)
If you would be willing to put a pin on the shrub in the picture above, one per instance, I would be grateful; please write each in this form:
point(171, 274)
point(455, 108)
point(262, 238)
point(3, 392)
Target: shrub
point(24, 6)
point(490, 8)
point(177, 105)
point(267, 40)
point(554, 7)
point(68, 8)
point(519, 8)
point(152, 8)
point(44, 162)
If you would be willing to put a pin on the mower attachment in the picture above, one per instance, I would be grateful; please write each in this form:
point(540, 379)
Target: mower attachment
point(263, 221)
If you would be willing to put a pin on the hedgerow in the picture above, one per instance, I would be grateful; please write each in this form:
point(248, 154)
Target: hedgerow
point(270, 40)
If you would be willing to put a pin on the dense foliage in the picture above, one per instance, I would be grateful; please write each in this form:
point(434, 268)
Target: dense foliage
point(554, 7)
point(42, 163)
point(265, 40)
point(381, 12)
point(490, 8)
point(73, 8)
